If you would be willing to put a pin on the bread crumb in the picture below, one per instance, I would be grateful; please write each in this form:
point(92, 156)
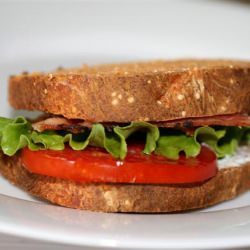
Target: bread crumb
point(114, 102)
point(119, 96)
point(180, 97)
point(197, 95)
point(149, 81)
point(50, 76)
point(113, 94)
point(223, 108)
point(183, 113)
point(141, 119)
point(198, 87)
point(45, 91)
point(74, 109)
point(108, 196)
point(127, 203)
point(131, 99)
point(159, 102)
point(234, 189)
point(201, 85)
point(231, 81)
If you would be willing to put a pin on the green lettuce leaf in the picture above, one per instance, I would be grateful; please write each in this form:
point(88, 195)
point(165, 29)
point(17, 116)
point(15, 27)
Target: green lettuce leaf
point(223, 140)
point(18, 133)
point(170, 146)
point(15, 134)
point(152, 135)
point(97, 137)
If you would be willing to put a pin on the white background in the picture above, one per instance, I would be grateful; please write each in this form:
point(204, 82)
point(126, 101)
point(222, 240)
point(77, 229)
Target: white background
point(42, 35)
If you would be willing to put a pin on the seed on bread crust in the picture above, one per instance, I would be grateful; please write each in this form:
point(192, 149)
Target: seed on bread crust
point(115, 102)
point(180, 97)
point(131, 99)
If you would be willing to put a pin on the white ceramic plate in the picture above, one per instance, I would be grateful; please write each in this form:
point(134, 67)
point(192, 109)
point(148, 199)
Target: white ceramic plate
point(44, 35)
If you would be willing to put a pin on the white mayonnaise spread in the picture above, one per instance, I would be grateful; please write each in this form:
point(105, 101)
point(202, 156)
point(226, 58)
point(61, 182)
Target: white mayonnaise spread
point(241, 156)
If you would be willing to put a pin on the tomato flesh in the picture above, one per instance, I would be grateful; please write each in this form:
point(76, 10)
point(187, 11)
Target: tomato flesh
point(95, 165)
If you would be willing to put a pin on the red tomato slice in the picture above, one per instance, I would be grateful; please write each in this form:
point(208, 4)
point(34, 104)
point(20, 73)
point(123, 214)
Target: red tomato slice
point(96, 165)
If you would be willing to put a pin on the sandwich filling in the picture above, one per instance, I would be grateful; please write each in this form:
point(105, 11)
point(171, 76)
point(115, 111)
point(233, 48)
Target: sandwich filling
point(179, 151)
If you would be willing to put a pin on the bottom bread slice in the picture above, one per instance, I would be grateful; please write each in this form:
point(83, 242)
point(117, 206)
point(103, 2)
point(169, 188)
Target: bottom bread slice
point(136, 198)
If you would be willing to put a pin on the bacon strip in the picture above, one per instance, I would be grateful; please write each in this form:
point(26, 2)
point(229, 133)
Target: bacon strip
point(77, 126)
point(221, 120)
point(60, 123)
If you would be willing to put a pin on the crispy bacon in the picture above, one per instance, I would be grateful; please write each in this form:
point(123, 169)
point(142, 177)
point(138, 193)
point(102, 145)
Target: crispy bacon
point(60, 123)
point(185, 124)
point(220, 120)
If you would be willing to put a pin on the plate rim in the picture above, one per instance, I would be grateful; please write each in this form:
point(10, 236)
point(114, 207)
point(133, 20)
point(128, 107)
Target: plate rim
point(17, 229)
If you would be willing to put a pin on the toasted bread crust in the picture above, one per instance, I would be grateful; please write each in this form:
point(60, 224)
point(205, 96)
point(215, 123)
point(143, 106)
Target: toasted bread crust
point(152, 91)
point(227, 184)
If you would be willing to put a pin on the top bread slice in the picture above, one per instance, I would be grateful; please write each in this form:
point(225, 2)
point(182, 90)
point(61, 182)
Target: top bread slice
point(145, 91)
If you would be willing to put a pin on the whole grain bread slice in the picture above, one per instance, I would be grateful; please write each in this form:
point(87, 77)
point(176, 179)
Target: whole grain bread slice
point(227, 184)
point(150, 91)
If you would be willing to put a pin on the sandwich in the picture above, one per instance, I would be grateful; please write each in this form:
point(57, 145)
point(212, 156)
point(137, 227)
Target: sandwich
point(147, 137)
